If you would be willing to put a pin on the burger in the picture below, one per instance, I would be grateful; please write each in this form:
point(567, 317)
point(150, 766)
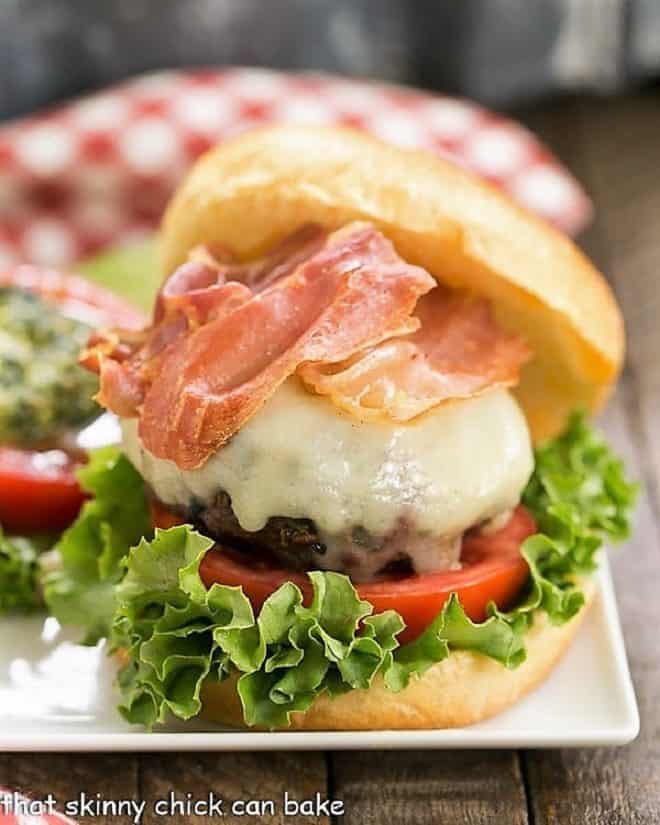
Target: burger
point(357, 488)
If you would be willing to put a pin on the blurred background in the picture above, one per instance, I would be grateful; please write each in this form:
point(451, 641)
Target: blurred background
point(584, 75)
point(500, 52)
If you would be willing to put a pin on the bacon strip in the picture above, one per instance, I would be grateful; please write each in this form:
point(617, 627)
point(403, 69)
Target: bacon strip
point(194, 383)
point(458, 351)
point(342, 310)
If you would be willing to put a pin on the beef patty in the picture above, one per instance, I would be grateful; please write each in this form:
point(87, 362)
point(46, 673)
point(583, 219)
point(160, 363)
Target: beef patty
point(292, 541)
point(297, 544)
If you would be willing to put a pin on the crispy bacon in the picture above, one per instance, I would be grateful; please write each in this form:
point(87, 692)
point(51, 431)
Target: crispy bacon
point(206, 280)
point(282, 261)
point(218, 349)
point(458, 351)
point(341, 310)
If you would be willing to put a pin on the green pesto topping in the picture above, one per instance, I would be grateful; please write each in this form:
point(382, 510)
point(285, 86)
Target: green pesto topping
point(43, 390)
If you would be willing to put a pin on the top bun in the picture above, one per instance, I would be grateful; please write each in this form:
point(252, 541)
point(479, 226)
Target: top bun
point(249, 193)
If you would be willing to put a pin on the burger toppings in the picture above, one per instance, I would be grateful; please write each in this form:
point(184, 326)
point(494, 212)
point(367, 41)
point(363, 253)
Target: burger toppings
point(219, 373)
point(218, 348)
point(370, 493)
point(43, 391)
point(402, 457)
point(458, 351)
point(492, 570)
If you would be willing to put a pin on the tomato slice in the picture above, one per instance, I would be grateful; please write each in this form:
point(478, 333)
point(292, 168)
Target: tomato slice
point(492, 570)
point(162, 517)
point(38, 489)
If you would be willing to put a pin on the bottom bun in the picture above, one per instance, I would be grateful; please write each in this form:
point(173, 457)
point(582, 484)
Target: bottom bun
point(461, 690)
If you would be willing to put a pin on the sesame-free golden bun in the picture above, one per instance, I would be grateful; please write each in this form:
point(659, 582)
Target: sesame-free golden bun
point(252, 191)
point(463, 689)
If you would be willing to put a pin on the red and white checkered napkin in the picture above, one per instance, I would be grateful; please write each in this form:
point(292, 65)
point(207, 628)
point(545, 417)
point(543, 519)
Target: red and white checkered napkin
point(16, 809)
point(99, 170)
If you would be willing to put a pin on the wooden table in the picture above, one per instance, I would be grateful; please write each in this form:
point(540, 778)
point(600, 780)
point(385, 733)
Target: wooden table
point(614, 148)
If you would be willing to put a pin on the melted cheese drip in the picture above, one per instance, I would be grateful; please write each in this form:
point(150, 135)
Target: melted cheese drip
point(458, 465)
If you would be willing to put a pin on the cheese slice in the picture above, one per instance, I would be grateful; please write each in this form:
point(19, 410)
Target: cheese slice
point(458, 465)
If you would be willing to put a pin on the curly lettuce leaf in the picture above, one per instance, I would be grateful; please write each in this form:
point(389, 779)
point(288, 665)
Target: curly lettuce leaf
point(179, 634)
point(579, 496)
point(81, 591)
point(499, 637)
point(579, 491)
point(19, 572)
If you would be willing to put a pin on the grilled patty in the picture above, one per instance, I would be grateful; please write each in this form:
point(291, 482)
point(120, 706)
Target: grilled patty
point(293, 542)
point(296, 544)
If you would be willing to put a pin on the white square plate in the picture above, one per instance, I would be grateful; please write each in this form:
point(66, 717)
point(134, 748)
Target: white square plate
point(58, 696)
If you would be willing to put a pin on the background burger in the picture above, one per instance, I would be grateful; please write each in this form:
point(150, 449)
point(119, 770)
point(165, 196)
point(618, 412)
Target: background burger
point(48, 418)
point(333, 413)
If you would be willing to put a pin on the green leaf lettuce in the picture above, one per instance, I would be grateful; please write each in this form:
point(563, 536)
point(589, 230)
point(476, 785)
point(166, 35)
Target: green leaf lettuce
point(81, 591)
point(19, 572)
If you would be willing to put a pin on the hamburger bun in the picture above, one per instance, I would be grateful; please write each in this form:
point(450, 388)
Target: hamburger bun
point(249, 193)
point(463, 689)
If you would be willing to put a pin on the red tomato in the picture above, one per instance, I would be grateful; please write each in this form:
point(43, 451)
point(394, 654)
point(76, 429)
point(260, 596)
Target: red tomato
point(162, 517)
point(38, 489)
point(492, 570)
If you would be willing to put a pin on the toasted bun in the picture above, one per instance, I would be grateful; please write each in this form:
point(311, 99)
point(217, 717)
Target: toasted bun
point(463, 689)
point(250, 192)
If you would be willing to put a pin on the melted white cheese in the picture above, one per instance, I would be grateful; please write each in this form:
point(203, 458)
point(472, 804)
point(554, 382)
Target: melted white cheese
point(456, 466)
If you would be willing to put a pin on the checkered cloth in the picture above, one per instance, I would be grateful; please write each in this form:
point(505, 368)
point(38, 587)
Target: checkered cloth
point(100, 170)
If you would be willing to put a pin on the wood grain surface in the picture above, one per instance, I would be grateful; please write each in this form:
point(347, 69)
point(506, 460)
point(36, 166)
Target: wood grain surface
point(236, 777)
point(614, 148)
point(65, 776)
point(427, 788)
